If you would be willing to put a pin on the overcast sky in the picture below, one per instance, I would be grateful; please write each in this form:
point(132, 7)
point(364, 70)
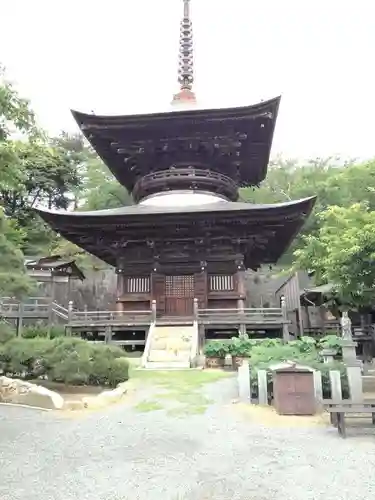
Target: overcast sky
point(120, 57)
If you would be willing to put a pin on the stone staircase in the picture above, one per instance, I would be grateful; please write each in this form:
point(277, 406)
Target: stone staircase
point(170, 347)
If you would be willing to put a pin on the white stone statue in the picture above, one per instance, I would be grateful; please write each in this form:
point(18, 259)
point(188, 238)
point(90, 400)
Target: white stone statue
point(346, 326)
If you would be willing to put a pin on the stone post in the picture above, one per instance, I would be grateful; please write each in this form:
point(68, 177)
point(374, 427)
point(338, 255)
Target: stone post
point(195, 309)
point(243, 377)
point(153, 311)
point(349, 357)
point(68, 329)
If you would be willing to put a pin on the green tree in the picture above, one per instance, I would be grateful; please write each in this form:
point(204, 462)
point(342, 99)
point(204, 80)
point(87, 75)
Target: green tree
point(343, 253)
point(101, 189)
point(14, 280)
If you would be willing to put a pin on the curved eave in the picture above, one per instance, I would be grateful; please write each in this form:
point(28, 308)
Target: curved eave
point(101, 131)
point(127, 213)
point(81, 228)
point(86, 120)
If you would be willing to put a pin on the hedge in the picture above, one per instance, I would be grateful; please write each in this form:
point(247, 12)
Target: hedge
point(63, 359)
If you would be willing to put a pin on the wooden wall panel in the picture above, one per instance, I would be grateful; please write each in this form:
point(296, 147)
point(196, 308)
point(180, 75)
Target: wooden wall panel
point(222, 304)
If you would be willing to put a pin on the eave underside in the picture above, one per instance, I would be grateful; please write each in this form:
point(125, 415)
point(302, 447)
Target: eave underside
point(234, 141)
point(261, 235)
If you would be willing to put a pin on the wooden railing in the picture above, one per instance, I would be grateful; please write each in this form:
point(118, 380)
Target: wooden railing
point(251, 315)
point(109, 317)
point(44, 308)
point(33, 307)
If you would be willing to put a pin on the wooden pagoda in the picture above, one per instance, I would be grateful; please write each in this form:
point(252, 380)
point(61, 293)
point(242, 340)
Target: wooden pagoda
point(187, 236)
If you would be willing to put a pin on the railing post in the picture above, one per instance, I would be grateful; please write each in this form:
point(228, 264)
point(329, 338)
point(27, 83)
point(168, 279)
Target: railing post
point(195, 309)
point(68, 328)
point(286, 336)
point(85, 311)
point(70, 310)
point(153, 311)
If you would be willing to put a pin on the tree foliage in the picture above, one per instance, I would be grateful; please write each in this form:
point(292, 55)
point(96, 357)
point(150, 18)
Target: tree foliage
point(13, 278)
point(343, 253)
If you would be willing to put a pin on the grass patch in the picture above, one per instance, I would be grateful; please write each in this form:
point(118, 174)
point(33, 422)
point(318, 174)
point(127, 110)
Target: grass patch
point(179, 390)
point(146, 406)
point(185, 379)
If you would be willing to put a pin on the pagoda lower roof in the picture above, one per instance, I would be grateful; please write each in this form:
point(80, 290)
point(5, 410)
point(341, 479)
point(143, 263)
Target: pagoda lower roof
point(233, 141)
point(105, 233)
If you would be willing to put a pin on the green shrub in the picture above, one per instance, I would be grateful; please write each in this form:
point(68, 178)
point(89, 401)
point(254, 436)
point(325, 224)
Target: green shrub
point(34, 331)
point(6, 332)
point(64, 359)
point(22, 357)
point(108, 365)
point(216, 349)
point(240, 346)
point(331, 342)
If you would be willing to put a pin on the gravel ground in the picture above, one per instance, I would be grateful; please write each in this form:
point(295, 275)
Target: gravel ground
point(122, 454)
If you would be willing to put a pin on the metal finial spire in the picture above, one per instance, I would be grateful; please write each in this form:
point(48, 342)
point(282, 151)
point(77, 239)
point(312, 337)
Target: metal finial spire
point(186, 70)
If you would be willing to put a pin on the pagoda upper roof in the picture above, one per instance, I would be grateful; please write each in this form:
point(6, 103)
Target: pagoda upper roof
point(103, 232)
point(233, 141)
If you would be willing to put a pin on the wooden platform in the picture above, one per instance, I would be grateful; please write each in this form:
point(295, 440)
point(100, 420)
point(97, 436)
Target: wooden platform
point(100, 321)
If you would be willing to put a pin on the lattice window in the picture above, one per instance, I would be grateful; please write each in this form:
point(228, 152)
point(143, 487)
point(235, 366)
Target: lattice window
point(221, 283)
point(138, 285)
point(179, 286)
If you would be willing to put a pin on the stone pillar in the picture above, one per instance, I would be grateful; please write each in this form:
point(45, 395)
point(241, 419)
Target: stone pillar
point(349, 355)
point(195, 309)
point(243, 377)
point(153, 311)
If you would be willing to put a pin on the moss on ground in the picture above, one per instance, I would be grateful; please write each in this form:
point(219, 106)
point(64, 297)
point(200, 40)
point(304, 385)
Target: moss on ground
point(178, 392)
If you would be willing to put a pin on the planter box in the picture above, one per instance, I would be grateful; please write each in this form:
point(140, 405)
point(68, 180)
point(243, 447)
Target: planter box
point(215, 362)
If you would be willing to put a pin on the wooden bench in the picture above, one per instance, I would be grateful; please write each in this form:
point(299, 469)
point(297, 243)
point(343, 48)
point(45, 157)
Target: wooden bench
point(338, 411)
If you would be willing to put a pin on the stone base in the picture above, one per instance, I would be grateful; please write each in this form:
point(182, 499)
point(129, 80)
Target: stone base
point(17, 391)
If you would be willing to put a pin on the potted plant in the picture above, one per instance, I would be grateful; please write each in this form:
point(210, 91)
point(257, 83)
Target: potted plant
point(215, 353)
point(239, 349)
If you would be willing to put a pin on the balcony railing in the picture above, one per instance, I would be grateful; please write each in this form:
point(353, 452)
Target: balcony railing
point(265, 315)
point(77, 318)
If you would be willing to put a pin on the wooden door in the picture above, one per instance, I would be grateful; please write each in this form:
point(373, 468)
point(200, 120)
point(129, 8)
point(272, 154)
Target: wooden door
point(179, 295)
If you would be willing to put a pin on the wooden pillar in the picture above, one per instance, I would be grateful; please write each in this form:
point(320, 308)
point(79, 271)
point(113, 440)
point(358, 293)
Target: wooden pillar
point(241, 296)
point(120, 289)
point(286, 336)
point(108, 334)
point(241, 289)
point(20, 319)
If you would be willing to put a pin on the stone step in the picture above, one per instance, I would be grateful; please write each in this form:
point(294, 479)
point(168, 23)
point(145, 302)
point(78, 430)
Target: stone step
point(167, 365)
point(163, 356)
point(170, 346)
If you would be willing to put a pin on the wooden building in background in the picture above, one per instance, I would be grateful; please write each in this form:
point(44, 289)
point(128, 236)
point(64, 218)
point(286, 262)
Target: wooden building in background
point(187, 237)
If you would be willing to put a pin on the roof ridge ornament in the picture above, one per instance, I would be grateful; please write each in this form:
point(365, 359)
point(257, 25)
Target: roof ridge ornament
point(186, 59)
